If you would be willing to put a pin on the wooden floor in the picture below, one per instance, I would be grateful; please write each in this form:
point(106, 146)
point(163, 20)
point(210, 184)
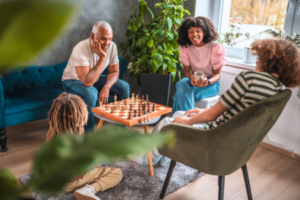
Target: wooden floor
point(272, 175)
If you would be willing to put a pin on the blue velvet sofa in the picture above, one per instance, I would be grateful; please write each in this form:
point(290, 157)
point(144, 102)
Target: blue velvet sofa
point(26, 95)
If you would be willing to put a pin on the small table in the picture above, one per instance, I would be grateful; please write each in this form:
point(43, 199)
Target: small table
point(121, 115)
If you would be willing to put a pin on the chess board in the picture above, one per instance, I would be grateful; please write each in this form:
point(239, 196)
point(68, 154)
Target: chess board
point(121, 115)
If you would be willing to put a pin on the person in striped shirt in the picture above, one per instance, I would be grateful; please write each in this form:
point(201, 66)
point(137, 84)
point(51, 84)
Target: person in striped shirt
point(278, 65)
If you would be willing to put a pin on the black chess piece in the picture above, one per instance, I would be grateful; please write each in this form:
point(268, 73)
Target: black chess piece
point(134, 113)
point(148, 108)
point(153, 107)
point(112, 109)
point(129, 116)
point(139, 112)
point(130, 107)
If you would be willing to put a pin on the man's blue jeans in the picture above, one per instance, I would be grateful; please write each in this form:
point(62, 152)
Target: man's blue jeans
point(186, 94)
point(90, 94)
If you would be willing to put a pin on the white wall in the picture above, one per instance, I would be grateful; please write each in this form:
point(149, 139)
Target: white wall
point(286, 131)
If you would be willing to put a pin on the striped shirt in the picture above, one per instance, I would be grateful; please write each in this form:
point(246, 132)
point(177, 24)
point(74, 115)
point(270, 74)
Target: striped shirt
point(248, 88)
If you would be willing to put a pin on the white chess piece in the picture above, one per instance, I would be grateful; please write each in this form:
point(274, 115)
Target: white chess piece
point(101, 106)
point(148, 117)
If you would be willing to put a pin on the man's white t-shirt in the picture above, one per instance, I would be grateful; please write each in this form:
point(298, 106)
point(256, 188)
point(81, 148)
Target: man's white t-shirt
point(82, 55)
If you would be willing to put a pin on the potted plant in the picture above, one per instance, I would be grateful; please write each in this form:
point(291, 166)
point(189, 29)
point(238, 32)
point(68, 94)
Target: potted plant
point(153, 48)
point(229, 38)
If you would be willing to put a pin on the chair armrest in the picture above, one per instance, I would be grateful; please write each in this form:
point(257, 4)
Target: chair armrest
point(191, 146)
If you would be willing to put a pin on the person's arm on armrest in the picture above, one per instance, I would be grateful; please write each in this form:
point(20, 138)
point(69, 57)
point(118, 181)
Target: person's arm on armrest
point(207, 115)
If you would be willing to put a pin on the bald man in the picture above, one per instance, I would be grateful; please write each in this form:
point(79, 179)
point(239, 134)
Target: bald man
point(88, 60)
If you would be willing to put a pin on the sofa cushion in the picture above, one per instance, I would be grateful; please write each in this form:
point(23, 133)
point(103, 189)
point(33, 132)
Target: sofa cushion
point(29, 99)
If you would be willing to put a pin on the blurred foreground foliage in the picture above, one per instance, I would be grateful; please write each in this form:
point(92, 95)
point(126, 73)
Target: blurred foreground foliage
point(67, 156)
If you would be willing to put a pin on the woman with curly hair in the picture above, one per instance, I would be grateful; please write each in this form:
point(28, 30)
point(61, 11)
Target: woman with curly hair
point(278, 64)
point(68, 115)
point(199, 51)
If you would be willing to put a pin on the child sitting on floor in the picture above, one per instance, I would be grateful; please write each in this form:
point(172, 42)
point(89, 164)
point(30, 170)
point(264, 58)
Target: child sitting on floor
point(69, 114)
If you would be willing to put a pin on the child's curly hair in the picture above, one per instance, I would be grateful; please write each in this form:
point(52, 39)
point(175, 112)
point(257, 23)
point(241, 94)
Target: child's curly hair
point(281, 57)
point(68, 114)
point(202, 22)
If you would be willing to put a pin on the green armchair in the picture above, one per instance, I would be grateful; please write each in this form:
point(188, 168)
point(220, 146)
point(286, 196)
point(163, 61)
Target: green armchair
point(226, 148)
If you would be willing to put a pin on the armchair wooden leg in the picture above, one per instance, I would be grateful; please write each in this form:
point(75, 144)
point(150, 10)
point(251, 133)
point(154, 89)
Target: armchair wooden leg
point(221, 187)
point(167, 180)
point(3, 140)
point(247, 182)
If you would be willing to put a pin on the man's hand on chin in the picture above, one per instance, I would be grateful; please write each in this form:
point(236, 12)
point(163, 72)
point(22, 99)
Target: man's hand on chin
point(182, 120)
point(98, 50)
point(103, 95)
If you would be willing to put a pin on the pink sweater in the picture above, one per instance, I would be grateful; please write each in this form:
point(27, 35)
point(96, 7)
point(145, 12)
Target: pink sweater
point(207, 58)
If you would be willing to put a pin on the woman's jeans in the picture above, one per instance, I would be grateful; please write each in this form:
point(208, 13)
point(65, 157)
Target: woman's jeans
point(186, 94)
point(90, 94)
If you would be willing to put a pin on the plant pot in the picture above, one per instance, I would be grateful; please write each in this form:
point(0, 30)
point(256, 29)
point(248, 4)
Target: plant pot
point(248, 57)
point(157, 86)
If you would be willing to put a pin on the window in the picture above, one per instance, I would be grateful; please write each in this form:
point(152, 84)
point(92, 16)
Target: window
point(257, 17)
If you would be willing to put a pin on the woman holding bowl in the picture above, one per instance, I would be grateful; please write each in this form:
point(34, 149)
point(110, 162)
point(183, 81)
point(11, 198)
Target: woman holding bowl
point(199, 51)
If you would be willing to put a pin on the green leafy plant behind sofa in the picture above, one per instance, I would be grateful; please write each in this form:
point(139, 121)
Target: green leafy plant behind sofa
point(152, 38)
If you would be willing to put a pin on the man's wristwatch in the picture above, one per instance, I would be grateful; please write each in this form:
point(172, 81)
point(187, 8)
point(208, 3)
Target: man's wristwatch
point(209, 83)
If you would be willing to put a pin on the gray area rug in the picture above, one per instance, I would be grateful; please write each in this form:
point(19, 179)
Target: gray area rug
point(137, 184)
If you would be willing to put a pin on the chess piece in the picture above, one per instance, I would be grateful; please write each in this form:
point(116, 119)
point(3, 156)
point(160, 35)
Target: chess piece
point(143, 97)
point(132, 98)
point(139, 112)
point(101, 106)
point(142, 121)
point(148, 108)
point(148, 116)
point(112, 109)
point(115, 97)
point(129, 115)
point(134, 113)
point(147, 97)
point(137, 97)
point(130, 107)
point(153, 107)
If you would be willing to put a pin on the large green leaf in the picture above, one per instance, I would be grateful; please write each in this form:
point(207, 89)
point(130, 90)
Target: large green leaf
point(157, 59)
point(168, 23)
point(150, 43)
point(137, 23)
point(170, 36)
point(143, 2)
point(186, 11)
point(160, 35)
point(154, 52)
point(28, 26)
point(68, 156)
point(171, 66)
point(150, 11)
point(9, 187)
point(164, 66)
